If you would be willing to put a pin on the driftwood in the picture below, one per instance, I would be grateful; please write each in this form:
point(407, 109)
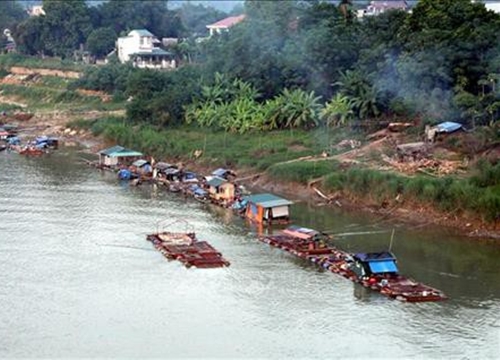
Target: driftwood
point(329, 199)
point(399, 126)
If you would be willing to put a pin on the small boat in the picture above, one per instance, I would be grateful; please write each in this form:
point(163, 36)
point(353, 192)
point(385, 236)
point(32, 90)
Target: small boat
point(186, 248)
point(377, 270)
point(3, 147)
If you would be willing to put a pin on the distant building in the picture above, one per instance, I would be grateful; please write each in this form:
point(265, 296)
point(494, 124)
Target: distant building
point(490, 5)
point(224, 24)
point(10, 44)
point(142, 49)
point(36, 10)
point(379, 7)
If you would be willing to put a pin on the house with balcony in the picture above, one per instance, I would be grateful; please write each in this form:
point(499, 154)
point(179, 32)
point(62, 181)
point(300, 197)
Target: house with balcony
point(141, 48)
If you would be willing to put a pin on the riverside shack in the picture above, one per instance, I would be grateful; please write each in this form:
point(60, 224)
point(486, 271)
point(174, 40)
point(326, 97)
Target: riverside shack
point(117, 155)
point(220, 190)
point(267, 208)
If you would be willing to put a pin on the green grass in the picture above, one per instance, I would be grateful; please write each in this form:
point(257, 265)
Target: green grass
point(8, 60)
point(9, 107)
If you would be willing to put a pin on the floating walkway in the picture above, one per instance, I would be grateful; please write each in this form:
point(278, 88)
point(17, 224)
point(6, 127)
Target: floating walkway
point(376, 271)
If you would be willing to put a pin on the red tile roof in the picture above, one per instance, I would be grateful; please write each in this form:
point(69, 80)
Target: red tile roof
point(227, 22)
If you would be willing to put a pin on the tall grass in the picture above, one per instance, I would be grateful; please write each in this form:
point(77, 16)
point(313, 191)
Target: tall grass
point(448, 193)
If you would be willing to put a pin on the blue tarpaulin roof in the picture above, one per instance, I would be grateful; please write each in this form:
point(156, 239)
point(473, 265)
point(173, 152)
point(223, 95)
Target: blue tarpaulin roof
point(448, 126)
point(375, 256)
point(380, 267)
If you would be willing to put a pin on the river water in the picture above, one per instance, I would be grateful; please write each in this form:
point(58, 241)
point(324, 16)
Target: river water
point(78, 279)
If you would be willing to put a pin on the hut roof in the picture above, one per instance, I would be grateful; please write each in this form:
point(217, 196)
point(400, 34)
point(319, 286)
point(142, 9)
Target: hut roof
point(119, 151)
point(268, 200)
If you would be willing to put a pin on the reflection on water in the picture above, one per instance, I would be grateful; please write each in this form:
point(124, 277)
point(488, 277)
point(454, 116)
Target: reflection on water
point(79, 279)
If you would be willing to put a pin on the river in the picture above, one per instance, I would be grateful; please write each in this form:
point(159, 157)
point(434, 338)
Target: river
point(78, 279)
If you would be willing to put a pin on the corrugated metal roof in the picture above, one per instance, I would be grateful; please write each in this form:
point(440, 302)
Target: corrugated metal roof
point(119, 151)
point(268, 200)
point(220, 172)
point(141, 32)
point(216, 181)
point(140, 163)
point(112, 150)
point(448, 126)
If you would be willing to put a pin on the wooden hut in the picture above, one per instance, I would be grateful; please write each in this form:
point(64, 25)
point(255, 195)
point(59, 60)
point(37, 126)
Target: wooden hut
point(267, 208)
point(116, 155)
point(220, 190)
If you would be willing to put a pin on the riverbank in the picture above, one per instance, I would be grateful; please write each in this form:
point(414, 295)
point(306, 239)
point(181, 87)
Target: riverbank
point(396, 211)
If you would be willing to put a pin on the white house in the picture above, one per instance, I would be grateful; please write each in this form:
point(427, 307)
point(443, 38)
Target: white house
point(142, 49)
point(36, 10)
point(224, 24)
point(377, 7)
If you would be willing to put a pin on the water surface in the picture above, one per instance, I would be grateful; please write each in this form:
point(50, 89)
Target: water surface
point(78, 279)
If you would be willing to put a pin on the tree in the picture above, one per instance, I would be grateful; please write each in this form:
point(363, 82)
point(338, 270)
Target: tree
point(11, 13)
point(101, 41)
point(66, 26)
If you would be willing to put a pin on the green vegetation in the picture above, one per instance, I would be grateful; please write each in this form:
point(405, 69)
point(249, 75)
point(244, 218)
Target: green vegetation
point(13, 59)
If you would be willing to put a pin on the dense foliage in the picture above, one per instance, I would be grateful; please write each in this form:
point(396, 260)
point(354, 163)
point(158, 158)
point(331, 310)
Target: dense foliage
point(304, 62)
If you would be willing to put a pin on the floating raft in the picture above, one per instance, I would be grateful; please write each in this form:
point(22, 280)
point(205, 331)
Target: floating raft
point(376, 271)
point(186, 248)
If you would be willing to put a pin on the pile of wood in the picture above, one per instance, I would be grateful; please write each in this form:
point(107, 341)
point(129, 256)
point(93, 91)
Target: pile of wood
point(427, 166)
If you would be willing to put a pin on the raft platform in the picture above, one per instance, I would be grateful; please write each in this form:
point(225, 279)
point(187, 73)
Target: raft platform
point(376, 271)
point(186, 248)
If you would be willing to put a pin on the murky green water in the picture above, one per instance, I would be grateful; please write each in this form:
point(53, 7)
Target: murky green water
point(78, 279)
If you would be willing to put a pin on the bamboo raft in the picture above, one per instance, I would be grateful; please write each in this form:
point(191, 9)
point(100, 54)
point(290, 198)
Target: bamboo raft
point(186, 248)
point(307, 244)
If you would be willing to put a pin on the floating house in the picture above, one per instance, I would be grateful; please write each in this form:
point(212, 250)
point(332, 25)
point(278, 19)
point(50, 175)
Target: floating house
point(117, 155)
point(142, 167)
point(220, 190)
point(379, 263)
point(267, 208)
point(46, 142)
